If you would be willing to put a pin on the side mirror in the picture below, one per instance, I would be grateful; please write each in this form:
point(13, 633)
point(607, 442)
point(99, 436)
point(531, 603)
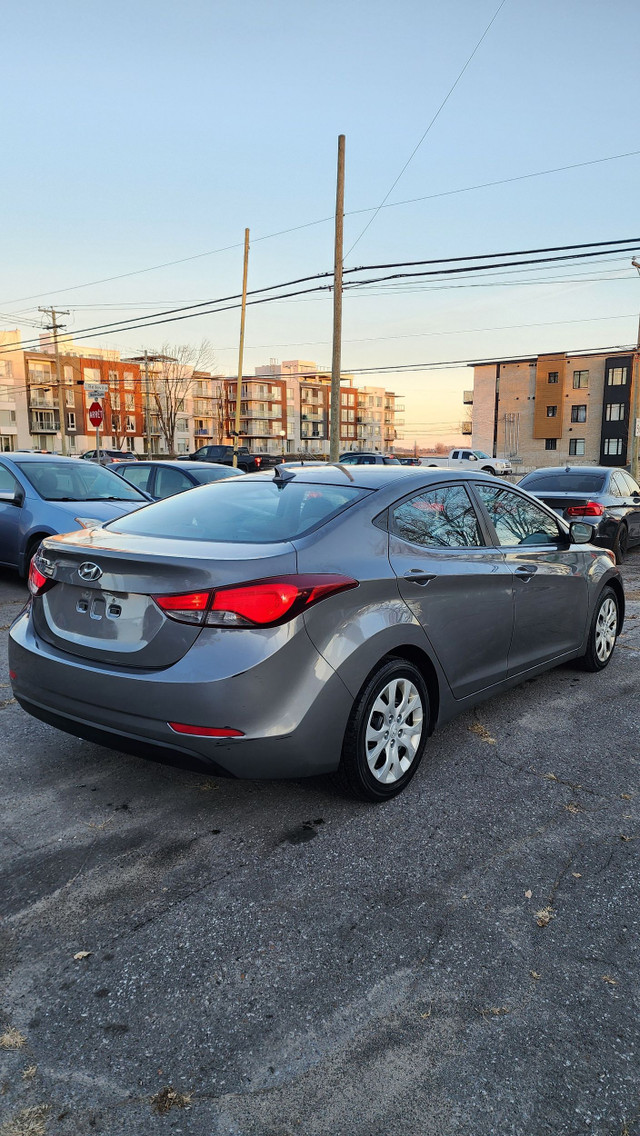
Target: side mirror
point(12, 497)
point(581, 533)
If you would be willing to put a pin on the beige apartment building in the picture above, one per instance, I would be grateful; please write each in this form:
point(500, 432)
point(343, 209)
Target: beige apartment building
point(556, 409)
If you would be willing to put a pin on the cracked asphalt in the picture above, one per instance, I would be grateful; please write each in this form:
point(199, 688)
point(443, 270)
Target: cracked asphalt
point(267, 959)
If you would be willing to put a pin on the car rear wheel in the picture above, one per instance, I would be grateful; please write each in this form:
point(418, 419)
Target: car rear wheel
point(603, 632)
point(621, 543)
point(387, 733)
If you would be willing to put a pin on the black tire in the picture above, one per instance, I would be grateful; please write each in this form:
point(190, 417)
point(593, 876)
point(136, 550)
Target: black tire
point(354, 774)
point(489, 469)
point(32, 548)
point(593, 658)
point(621, 543)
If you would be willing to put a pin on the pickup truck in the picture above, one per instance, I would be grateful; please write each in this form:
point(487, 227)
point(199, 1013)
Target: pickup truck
point(469, 459)
point(223, 455)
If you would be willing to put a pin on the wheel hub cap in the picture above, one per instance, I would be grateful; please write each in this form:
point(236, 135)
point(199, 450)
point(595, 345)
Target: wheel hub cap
point(394, 730)
point(606, 629)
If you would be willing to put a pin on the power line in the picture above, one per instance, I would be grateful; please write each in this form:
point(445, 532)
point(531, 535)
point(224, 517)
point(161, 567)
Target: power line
point(433, 120)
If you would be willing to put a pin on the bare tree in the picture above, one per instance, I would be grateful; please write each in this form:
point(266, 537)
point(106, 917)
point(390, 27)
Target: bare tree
point(171, 378)
point(222, 410)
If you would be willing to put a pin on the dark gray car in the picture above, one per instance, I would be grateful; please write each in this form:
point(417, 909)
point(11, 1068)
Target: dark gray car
point(319, 620)
point(607, 499)
point(162, 479)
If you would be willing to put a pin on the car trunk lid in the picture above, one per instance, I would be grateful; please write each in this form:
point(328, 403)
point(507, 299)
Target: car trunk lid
point(102, 607)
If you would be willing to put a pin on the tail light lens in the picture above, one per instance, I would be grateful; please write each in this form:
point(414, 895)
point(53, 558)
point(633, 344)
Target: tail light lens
point(37, 583)
point(258, 462)
point(589, 509)
point(259, 603)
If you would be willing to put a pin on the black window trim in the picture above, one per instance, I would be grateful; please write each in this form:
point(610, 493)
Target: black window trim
point(384, 520)
point(563, 527)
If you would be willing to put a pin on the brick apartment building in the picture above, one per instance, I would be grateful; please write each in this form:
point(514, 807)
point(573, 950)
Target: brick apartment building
point(556, 409)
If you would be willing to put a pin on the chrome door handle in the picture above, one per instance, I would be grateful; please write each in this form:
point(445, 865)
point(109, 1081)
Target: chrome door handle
point(416, 576)
point(525, 574)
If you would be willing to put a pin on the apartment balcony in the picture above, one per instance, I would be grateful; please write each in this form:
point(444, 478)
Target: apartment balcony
point(466, 428)
point(38, 401)
point(44, 422)
point(467, 398)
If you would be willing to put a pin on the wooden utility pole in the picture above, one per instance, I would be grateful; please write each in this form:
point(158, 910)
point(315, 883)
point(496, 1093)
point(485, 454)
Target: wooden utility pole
point(634, 425)
point(241, 349)
point(334, 445)
point(53, 326)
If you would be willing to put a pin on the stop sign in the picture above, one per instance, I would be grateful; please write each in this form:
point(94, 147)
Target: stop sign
point(96, 414)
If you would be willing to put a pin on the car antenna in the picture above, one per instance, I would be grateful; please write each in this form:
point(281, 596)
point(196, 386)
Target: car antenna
point(283, 475)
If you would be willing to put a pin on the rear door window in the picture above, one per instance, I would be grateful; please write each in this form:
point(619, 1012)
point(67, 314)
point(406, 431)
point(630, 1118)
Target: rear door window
point(517, 520)
point(438, 518)
point(138, 475)
point(170, 481)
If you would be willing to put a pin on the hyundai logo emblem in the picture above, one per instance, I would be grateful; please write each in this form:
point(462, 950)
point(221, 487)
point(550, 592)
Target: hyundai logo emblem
point(89, 571)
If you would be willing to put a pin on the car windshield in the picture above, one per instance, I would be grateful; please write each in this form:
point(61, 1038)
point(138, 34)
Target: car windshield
point(242, 511)
point(480, 453)
point(564, 482)
point(214, 473)
point(77, 481)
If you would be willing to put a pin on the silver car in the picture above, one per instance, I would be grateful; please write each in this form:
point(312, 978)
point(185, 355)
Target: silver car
point(318, 620)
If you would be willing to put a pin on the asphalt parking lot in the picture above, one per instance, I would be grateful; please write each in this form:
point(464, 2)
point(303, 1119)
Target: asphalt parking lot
point(220, 958)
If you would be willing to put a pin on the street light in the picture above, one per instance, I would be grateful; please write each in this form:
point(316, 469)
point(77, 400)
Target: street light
point(283, 434)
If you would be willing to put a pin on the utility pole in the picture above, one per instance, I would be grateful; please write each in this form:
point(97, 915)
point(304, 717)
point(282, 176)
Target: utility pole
point(334, 444)
point(148, 401)
point(243, 312)
point(53, 326)
point(634, 425)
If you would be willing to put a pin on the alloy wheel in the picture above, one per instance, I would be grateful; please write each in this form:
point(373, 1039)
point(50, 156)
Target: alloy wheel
point(394, 730)
point(606, 628)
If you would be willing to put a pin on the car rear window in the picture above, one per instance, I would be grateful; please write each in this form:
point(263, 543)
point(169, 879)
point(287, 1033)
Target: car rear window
point(564, 482)
point(242, 511)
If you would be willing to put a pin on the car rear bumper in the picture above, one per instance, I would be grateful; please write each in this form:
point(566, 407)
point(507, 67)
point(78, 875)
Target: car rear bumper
point(292, 707)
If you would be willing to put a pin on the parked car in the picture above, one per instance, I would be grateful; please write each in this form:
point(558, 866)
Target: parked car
point(353, 457)
point(162, 479)
point(319, 620)
point(223, 455)
point(109, 456)
point(475, 460)
point(41, 495)
point(607, 499)
point(409, 461)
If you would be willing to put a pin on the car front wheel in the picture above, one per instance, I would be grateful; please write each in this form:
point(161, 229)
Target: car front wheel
point(603, 632)
point(621, 543)
point(387, 732)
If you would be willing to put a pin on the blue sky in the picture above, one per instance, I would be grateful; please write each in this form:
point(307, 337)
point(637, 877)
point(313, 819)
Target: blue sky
point(138, 133)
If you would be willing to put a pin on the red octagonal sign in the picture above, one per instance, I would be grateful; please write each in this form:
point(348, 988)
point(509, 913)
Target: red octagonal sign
point(96, 414)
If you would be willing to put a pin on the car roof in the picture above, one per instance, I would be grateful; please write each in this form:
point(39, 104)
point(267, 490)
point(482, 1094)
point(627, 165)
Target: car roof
point(559, 469)
point(195, 466)
point(16, 455)
point(372, 476)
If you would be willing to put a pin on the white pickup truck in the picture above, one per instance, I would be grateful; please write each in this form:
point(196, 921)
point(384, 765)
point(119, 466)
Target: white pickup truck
point(469, 459)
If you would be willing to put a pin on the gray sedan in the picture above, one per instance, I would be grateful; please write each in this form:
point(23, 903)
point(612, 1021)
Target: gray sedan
point(322, 620)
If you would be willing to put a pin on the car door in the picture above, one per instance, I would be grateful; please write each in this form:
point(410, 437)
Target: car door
point(460, 590)
point(170, 481)
point(10, 516)
point(632, 504)
point(550, 578)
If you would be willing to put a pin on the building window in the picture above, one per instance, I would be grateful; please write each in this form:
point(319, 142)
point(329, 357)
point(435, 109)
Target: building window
point(131, 424)
point(552, 377)
point(113, 378)
point(551, 443)
point(68, 375)
point(115, 423)
point(617, 377)
point(71, 421)
point(578, 414)
point(129, 402)
point(580, 379)
point(576, 447)
point(128, 380)
point(552, 411)
point(114, 398)
point(70, 398)
point(613, 446)
point(614, 411)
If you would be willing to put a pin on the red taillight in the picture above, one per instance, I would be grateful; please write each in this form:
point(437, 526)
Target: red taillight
point(37, 583)
point(258, 462)
point(258, 603)
point(206, 731)
point(589, 509)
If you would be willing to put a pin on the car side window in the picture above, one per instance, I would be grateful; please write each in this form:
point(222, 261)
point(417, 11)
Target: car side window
point(616, 485)
point(438, 518)
point(516, 520)
point(138, 475)
point(633, 489)
point(170, 481)
point(8, 483)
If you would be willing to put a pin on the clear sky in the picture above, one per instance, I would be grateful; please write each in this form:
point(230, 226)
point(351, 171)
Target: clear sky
point(140, 132)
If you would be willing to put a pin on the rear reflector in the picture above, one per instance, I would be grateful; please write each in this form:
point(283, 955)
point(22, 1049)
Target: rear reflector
point(205, 731)
point(589, 509)
point(258, 603)
point(12, 675)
